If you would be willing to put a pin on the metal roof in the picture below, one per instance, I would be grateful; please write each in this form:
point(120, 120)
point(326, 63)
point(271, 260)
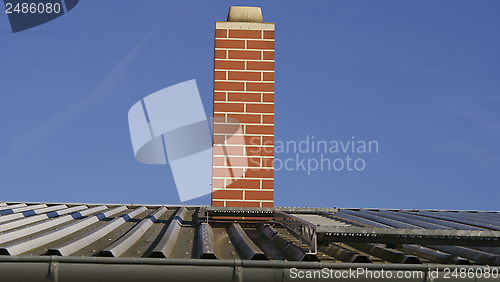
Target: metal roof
point(194, 234)
point(291, 234)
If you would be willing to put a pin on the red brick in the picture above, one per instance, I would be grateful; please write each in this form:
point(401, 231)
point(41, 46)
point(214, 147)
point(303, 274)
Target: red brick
point(221, 118)
point(218, 139)
point(218, 183)
point(245, 55)
point(254, 151)
point(260, 173)
point(267, 140)
point(228, 107)
point(246, 184)
point(251, 34)
point(237, 161)
point(260, 108)
point(267, 184)
point(220, 54)
point(228, 150)
point(259, 151)
point(231, 172)
point(268, 162)
point(219, 161)
point(230, 44)
point(218, 203)
point(242, 204)
point(268, 34)
point(268, 119)
point(259, 195)
point(258, 44)
point(229, 86)
point(259, 129)
point(221, 33)
point(229, 65)
point(226, 128)
point(229, 139)
point(268, 97)
point(244, 97)
point(267, 204)
point(246, 118)
point(236, 138)
point(220, 96)
point(260, 86)
point(253, 140)
point(268, 55)
point(264, 65)
point(254, 162)
point(241, 75)
point(228, 194)
point(268, 76)
point(220, 75)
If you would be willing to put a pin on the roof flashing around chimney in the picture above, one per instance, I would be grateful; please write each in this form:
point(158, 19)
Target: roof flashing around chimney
point(244, 14)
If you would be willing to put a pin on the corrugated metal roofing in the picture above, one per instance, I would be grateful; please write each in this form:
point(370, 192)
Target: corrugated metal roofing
point(276, 234)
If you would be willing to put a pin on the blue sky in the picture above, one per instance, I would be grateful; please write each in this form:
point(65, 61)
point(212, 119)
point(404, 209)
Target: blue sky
point(419, 77)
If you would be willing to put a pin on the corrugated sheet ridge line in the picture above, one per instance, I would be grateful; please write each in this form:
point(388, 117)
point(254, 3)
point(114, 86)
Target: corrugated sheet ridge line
point(7, 207)
point(289, 248)
point(414, 221)
point(35, 218)
point(434, 255)
point(245, 244)
point(131, 237)
point(491, 250)
point(21, 209)
point(477, 218)
point(87, 239)
point(479, 256)
point(380, 219)
point(206, 245)
point(322, 219)
point(31, 212)
point(386, 254)
point(32, 243)
point(166, 245)
point(19, 233)
point(460, 220)
point(356, 220)
point(447, 223)
point(483, 217)
point(343, 254)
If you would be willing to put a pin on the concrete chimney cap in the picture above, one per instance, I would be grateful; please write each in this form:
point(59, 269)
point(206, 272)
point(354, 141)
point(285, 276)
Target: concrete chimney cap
point(244, 14)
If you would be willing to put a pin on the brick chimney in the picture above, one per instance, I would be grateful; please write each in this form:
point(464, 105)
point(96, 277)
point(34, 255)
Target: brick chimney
point(243, 152)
